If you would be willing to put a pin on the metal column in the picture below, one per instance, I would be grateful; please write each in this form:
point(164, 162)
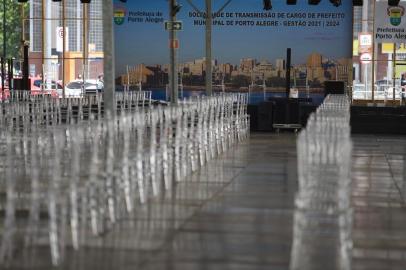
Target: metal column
point(173, 80)
point(63, 47)
point(374, 54)
point(209, 21)
point(4, 46)
point(48, 26)
point(366, 69)
point(85, 42)
point(108, 48)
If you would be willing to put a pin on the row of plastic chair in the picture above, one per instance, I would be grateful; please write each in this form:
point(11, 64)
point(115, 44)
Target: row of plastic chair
point(323, 214)
point(66, 186)
point(31, 110)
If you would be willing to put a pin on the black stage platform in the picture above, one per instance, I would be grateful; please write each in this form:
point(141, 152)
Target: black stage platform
point(378, 120)
point(279, 113)
point(266, 116)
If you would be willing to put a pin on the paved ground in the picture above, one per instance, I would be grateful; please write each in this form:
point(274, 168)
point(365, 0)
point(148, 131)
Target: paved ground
point(236, 214)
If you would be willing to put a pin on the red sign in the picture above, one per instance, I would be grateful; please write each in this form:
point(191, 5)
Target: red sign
point(174, 44)
point(366, 58)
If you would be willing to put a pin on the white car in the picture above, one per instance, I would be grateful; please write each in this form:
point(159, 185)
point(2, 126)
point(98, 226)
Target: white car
point(383, 91)
point(76, 88)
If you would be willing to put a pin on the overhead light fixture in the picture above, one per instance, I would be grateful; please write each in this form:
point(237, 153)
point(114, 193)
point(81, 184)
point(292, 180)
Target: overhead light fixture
point(314, 2)
point(175, 9)
point(357, 3)
point(336, 3)
point(393, 3)
point(291, 2)
point(267, 5)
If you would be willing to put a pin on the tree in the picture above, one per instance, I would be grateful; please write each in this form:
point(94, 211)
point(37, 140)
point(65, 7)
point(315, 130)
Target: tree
point(13, 28)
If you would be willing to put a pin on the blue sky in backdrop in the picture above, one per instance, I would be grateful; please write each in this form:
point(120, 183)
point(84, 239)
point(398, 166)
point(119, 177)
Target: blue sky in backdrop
point(146, 42)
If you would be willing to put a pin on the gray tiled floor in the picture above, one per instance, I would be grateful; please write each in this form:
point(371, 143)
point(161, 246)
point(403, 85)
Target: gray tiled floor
point(379, 202)
point(236, 214)
point(249, 224)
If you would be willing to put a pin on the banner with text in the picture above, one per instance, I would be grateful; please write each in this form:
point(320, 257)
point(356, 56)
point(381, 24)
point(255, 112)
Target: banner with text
point(390, 22)
point(249, 43)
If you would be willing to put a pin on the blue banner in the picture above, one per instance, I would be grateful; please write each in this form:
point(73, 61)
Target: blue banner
point(249, 43)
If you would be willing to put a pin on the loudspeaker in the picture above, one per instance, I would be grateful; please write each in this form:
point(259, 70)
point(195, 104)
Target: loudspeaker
point(267, 4)
point(265, 116)
point(357, 3)
point(288, 66)
point(314, 2)
point(294, 112)
point(305, 111)
point(252, 111)
point(334, 87)
point(393, 3)
point(279, 111)
point(336, 3)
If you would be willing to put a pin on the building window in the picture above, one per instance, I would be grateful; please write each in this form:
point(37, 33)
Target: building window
point(80, 26)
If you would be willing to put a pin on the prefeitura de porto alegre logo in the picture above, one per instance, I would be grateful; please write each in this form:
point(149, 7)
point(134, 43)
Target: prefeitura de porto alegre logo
point(120, 13)
point(395, 15)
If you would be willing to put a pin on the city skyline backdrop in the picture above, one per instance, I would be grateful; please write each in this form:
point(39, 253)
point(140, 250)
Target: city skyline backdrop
point(147, 42)
point(249, 72)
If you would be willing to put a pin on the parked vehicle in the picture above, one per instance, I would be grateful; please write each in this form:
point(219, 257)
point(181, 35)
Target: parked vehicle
point(4, 95)
point(383, 90)
point(78, 88)
point(38, 87)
